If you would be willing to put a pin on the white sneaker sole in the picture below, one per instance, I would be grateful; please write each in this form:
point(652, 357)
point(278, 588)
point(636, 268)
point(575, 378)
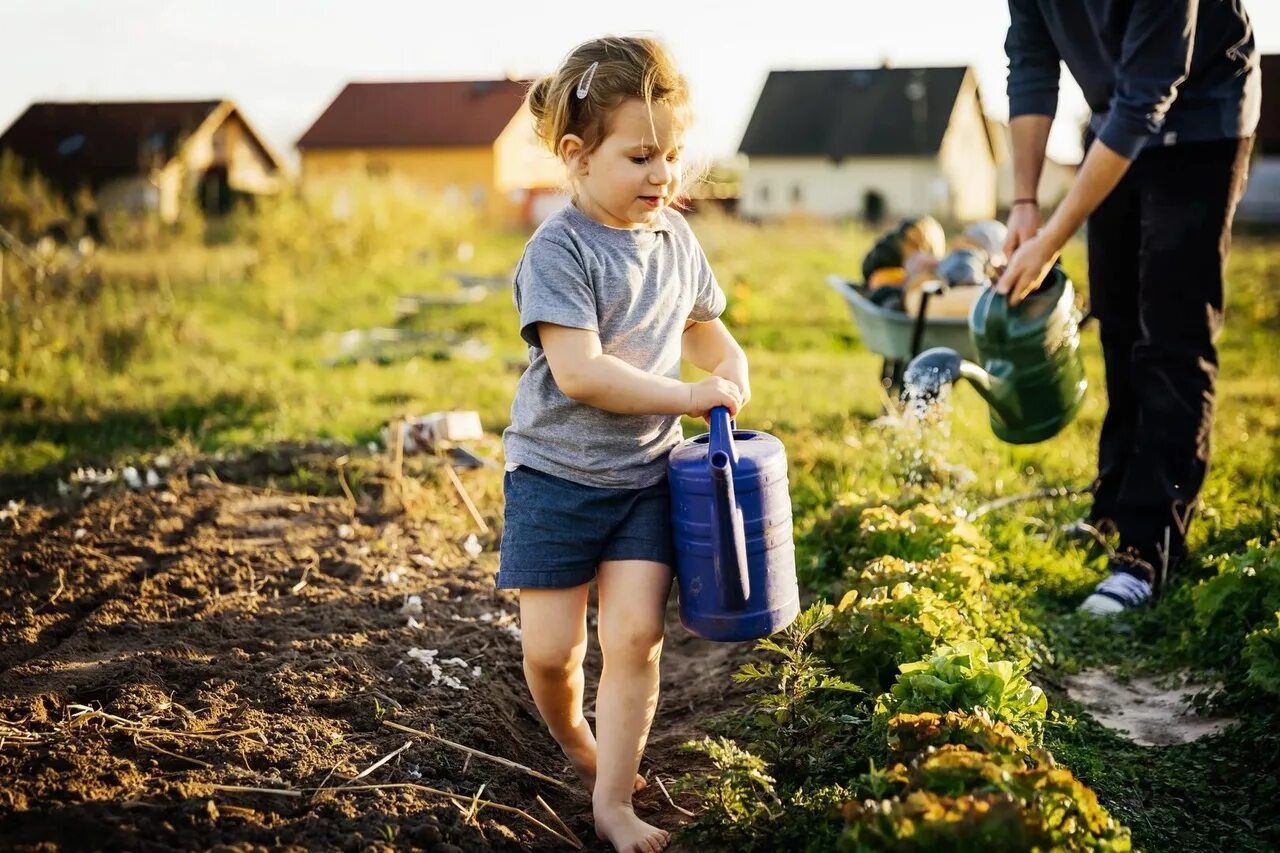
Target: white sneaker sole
point(1101, 605)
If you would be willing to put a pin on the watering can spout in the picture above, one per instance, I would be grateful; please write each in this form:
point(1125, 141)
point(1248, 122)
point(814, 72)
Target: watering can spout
point(931, 373)
point(935, 370)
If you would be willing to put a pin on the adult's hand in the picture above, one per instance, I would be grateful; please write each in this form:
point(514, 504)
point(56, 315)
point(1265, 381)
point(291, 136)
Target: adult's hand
point(1027, 268)
point(1024, 222)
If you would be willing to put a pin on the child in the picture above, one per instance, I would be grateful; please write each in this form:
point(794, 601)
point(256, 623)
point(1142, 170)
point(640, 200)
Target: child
point(612, 290)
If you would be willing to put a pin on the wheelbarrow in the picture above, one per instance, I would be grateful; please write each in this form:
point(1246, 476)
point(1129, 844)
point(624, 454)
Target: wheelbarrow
point(899, 337)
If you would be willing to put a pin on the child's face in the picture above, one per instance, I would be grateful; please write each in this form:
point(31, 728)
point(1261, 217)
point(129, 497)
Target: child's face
point(635, 171)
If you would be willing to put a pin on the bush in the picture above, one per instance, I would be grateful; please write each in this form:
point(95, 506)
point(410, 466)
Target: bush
point(854, 534)
point(1262, 657)
point(873, 635)
point(963, 678)
point(956, 799)
point(1233, 616)
point(898, 611)
point(913, 734)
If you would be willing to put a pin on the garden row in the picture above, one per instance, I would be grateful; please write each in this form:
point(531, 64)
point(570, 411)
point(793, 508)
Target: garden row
point(903, 717)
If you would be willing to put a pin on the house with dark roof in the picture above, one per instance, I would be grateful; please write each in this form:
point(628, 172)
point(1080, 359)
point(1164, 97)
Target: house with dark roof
point(871, 143)
point(470, 141)
point(146, 155)
point(1261, 201)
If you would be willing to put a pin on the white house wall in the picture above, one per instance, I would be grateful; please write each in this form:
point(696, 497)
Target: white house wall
point(1261, 202)
point(780, 186)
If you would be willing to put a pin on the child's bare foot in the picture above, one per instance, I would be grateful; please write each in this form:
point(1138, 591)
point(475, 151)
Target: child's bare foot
point(580, 749)
point(627, 833)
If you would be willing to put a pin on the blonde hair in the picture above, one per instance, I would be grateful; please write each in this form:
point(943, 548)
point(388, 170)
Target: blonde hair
point(626, 67)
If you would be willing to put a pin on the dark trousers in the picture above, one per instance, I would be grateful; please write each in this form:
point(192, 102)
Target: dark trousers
point(1157, 252)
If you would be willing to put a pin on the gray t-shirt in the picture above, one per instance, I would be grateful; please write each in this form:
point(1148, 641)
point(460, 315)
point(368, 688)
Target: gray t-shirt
point(635, 288)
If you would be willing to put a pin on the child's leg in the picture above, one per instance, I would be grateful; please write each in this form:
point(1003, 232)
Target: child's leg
point(553, 630)
point(633, 599)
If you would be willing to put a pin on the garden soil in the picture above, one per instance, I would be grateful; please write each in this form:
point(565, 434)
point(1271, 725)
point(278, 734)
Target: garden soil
point(161, 648)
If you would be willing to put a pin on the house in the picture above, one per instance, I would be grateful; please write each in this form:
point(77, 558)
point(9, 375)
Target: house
point(870, 143)
point(146, 155)
point(472, 141)
point(1056, 176)
point(1261, 201)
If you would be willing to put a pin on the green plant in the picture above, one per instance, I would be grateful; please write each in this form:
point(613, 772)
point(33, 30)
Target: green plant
point(854, 533)
point(872, 635)
point(744, 810)
point(737, 790)
point(1240, 598)
point(1262, 656)
point(913, 734)
point(963, 678)
point(798, 709)
point(954, 799)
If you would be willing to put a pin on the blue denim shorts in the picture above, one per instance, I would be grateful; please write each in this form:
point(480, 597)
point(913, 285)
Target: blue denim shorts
point(556, 532)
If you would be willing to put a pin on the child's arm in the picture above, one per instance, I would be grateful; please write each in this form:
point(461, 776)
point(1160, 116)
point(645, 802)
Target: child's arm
point(709, 346)
point(584, 373)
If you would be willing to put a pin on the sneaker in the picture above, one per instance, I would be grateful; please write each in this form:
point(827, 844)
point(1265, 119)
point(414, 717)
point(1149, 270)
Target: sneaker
point(1116, 593)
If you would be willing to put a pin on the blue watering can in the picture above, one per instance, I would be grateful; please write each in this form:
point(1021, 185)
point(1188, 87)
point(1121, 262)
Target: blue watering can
point(735, 559)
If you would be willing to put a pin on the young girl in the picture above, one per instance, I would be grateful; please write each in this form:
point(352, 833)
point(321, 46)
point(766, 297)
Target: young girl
point(612, 290)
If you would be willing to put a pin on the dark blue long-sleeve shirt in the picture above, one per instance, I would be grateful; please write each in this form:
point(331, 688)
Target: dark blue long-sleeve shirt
point(1154, 72)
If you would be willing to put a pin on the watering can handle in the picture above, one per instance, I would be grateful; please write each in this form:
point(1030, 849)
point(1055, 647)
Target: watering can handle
point(721, 440)
point(997, 321)
point(728, 536)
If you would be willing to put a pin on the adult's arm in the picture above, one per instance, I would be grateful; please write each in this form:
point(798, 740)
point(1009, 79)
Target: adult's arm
point(1034, 64)
point(1155, 57)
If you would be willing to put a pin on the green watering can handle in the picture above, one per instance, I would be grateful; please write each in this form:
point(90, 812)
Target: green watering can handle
point(996, 325)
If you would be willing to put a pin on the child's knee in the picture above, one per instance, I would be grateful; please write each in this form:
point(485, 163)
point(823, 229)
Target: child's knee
point(553, 660)
point(639, 640)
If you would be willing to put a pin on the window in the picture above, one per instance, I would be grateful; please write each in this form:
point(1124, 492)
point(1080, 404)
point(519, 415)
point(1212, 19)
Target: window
point(797, 195)
point(764, 192)
point(71, 144)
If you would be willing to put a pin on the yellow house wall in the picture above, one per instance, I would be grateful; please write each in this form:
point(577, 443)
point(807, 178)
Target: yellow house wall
point(521, 161)
point(464, 174)
point(967, 160)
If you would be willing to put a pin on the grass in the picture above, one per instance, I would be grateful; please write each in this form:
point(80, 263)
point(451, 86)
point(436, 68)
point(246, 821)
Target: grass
point(225, 348)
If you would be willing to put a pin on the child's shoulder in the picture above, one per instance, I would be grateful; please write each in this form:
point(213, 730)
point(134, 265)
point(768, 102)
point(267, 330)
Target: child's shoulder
point(556, 227)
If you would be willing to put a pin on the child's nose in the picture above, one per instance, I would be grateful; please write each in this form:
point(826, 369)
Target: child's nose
point(661, 172)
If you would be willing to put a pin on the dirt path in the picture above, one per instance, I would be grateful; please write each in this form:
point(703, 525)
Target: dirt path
point(155, 644)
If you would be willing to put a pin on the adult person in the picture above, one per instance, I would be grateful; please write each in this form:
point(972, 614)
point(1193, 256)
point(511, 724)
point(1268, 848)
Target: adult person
point(1174, 87)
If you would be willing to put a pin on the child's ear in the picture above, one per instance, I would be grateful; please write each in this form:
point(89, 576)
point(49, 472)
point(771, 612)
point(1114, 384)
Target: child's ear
point(571, 147)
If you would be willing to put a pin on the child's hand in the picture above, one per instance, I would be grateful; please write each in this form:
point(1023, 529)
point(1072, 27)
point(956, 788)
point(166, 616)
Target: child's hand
point(711, 392)
point(735, 370)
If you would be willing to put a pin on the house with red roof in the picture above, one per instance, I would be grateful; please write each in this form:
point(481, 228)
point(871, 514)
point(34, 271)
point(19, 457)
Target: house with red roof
point(470, 141)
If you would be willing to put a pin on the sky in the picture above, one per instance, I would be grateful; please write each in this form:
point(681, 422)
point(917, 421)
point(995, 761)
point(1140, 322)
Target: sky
point(283, 61)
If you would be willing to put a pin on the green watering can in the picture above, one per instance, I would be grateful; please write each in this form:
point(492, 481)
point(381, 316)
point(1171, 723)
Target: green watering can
point(1031, 375)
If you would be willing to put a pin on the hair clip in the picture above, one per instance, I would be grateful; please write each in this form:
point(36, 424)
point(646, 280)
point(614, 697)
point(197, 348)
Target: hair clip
point(585, 85)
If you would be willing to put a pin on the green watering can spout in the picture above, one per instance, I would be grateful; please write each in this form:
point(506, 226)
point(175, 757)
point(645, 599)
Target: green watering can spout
point(933, 371)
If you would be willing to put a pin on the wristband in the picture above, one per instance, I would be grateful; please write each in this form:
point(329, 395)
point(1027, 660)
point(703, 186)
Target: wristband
point(1018, 201)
